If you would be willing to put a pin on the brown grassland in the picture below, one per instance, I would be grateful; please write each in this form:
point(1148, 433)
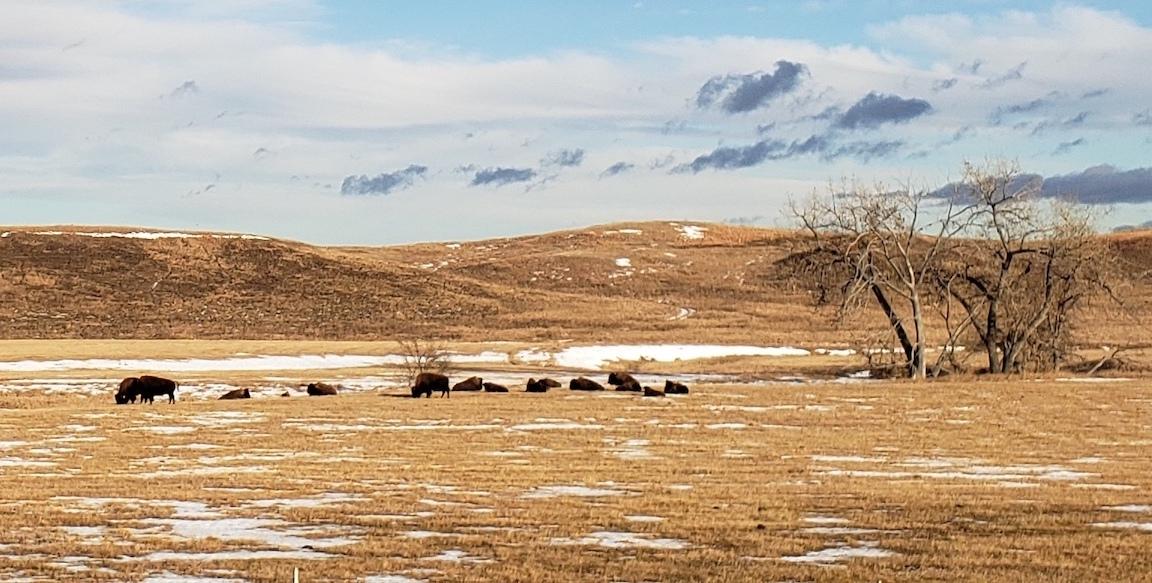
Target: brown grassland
point(958, 481)
point(1026, 478)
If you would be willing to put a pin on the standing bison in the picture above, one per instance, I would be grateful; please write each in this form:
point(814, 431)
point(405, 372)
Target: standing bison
point(426, 382)
point(147, 388)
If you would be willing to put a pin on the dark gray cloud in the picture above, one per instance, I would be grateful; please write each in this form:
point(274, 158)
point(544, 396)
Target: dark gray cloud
point(875, 109)
point(1066, 147)
point(502, 176)
point(729, 157)
point(824, 146)
point(186, 89)
point(1095, 93)
point(1143, 118)
point(1014, 74)
point(383, 183)
point(566, 158)
point(744, 93)
point(1103, 184)
point(617, 168)
point(944, 84)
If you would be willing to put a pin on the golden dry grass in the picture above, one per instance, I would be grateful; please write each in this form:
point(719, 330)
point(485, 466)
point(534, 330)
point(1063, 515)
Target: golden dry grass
point(968, 481)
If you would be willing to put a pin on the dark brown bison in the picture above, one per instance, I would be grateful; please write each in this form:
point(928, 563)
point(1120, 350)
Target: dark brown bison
point(147, 388)
point(621, 378)
point(535, 386)
point(235, 394)
point(321, 389)
point(469, 384)
point(426, 382)
point(674, 388)
point(650, 392)
point(127, 392)
point(583, 384)
point(495, 388)
point(550, 383)
point(631, 386)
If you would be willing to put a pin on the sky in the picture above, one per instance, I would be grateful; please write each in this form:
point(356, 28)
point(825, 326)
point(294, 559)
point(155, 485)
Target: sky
point(380, 122)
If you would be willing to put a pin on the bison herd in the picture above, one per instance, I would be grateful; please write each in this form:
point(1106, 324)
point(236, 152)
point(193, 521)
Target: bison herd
point(147, 388)
point(428, 382)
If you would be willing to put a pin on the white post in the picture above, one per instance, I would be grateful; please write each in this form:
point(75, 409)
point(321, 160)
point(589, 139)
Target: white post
point(295, 574)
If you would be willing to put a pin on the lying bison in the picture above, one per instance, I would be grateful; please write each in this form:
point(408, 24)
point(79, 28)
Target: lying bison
point(583, 384)
point(426, 382)
point(674, 388)
point(620, 378)
point(235, 394)
point(650, 392)
point(495, 388)
point(321, 389)
point(147, 388)
point(469, 384)
point(537, 386)
point(550, 383)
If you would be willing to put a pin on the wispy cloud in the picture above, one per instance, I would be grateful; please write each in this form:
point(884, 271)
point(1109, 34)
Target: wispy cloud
point(384, 183)
point(565, 158)
point(617, 168)
point(502, 176)
point(1065, 147)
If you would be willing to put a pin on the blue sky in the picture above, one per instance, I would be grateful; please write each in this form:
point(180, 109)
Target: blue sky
point(362, 121)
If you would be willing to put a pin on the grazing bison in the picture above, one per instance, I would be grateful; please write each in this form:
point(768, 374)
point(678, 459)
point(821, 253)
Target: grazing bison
point(495, 388)
point(146, 387)
point(469, 384)
point(426, 382)
point(535, 386)
point(650, 392)
point(127, 392)
point(321, 389)
point(674, 388)
point(621, 378)
point(583, 384)
point(235, 394)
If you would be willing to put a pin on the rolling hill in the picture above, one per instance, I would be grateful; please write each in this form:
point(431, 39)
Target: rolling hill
point(627, 282)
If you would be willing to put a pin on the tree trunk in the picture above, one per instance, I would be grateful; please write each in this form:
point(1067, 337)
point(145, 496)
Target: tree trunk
point(919, 362)
point(897, 325)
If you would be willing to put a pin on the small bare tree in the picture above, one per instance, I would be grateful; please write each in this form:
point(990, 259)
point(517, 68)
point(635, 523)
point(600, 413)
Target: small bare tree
point(421, 356)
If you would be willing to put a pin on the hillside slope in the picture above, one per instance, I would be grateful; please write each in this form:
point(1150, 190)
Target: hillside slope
point(654, 281)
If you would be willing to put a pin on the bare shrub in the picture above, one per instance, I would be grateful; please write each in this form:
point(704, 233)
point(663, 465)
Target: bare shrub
point(422, 356)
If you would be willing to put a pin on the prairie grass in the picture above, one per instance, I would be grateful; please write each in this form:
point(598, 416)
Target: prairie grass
point(959, 481)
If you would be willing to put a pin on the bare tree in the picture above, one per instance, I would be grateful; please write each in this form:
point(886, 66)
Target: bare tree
point(880, 246)
point(424, 356)
point(1028, 265)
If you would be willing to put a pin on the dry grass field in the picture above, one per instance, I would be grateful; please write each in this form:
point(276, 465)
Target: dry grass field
point(969, 481)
